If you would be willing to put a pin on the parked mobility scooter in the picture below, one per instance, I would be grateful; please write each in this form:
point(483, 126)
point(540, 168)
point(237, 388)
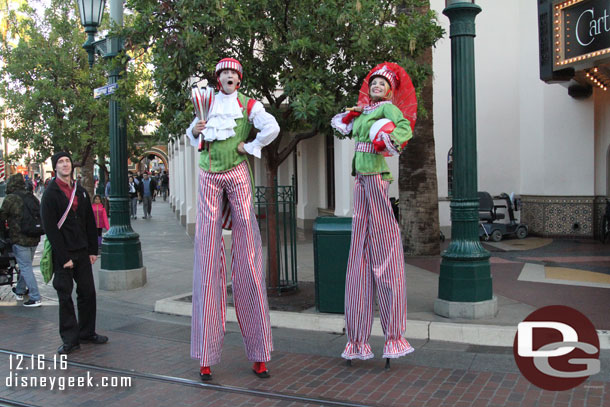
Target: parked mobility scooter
point(488, 215)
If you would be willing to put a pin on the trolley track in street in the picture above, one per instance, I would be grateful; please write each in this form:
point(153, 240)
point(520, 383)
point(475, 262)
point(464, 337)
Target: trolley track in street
point(12, 403)
point(184, 382)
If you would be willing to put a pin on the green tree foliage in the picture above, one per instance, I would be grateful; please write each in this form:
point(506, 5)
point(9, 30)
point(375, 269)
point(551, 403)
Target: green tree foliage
point(306, 59)
point(11, 10)
point(47, 87)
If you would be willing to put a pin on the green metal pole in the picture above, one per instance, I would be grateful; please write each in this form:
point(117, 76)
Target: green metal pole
point(465, 273)
point(121, 267)
point(121, 249)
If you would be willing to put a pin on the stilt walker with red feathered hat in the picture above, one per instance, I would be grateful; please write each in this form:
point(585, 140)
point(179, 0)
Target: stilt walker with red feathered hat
point(224, 174)
point(381, 125)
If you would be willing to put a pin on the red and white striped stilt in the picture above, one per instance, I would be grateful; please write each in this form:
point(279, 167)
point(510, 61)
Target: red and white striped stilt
point(376, 265)
point(247, 273)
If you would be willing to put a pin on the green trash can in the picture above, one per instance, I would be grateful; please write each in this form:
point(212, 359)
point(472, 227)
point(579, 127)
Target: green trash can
point(2, 189)
point(331, 241)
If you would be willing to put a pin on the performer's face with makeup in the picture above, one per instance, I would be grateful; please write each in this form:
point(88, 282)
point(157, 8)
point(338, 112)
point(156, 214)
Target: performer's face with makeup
point(229, 79)
point(378, 87)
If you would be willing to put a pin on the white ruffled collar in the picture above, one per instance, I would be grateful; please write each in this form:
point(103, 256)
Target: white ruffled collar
point(221, 123)
point(223, 96)
point(370, 108)
point(226, 105)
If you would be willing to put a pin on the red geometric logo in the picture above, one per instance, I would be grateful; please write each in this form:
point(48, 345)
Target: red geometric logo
point(556, 348)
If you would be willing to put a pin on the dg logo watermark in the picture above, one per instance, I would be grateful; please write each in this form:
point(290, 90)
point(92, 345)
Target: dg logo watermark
point(556, 348)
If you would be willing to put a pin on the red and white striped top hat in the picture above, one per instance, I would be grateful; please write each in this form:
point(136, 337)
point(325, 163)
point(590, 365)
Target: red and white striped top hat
point(230, 63)
point(386, 73)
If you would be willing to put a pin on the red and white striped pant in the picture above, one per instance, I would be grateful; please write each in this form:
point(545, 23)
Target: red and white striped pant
point(376, 264)
point(247, 273)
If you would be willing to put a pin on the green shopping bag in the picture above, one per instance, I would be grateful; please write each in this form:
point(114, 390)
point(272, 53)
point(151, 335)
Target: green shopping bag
point(46, 262)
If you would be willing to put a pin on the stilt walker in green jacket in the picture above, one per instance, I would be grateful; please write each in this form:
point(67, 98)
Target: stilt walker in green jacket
point(381, 125)
point(224, 171)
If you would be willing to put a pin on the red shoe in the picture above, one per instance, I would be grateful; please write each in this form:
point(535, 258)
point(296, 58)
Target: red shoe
point(205, 373)
point(260, 369)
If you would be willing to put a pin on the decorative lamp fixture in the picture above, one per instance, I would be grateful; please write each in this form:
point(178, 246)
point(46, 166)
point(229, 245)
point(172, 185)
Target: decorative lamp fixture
point(91, 12)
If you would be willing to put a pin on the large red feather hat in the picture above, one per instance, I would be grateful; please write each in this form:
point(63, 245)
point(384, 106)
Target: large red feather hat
point(403, 92)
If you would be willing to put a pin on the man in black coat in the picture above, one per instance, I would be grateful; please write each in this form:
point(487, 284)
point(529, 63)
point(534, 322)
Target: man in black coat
point(74, 251)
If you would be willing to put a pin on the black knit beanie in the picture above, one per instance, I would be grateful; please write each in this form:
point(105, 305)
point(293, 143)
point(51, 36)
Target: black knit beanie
point(57, 156)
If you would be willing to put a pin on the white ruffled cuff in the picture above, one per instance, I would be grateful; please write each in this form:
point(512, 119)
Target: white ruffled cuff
point(253, 148)
point(337, 124)
point(389, 145)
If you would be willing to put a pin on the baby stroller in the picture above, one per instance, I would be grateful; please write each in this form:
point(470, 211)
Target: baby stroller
point(9, 271)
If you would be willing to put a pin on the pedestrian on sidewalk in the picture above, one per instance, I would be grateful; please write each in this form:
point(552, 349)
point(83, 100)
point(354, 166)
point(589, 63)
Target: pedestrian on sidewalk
point(224, 171)
point(138, 181)
point(29, 185)
point(133, 198)
point(67, 204)
point(155, 177)
point(147, 189)
point(376, 259)
point(101, 218)
point(22, 211)
point(164, 189)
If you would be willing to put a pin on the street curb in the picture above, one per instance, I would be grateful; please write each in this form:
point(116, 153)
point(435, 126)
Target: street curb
point(473, 334)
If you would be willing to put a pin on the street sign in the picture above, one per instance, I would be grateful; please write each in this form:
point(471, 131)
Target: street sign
point(105, 90)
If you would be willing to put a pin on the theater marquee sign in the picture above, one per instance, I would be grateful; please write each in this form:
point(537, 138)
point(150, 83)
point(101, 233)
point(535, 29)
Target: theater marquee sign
point(581, 32)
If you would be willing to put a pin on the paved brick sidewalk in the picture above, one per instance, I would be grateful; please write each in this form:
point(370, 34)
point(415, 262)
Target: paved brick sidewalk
point(308, 375)
point(304, 363)
point(505, 273)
